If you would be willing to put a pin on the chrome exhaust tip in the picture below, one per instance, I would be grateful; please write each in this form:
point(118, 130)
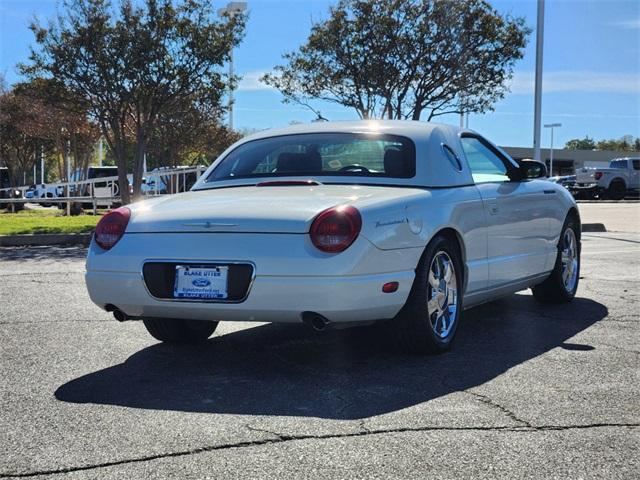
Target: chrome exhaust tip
point(316, 321)
point(120, 316)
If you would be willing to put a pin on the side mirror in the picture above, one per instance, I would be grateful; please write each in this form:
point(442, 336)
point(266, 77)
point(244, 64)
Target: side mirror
point(532, 169)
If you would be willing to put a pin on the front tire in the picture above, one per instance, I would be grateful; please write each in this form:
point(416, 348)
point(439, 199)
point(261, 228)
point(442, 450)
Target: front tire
point(562, 284)
point(429, 320)
point(173, 330)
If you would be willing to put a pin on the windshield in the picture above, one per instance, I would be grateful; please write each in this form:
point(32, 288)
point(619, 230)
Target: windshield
point(320, 154)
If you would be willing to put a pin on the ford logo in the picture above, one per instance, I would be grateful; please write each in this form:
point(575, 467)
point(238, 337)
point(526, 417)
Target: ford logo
point(200, 282)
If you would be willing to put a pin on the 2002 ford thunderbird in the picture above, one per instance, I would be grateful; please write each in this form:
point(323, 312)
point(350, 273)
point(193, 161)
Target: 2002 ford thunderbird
point(338, 224)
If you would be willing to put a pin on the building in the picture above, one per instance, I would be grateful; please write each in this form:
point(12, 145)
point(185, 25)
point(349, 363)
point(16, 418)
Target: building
point(566, 162)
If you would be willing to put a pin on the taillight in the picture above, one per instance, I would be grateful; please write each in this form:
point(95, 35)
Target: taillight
point(334, 229)
point(111, 227)
point(598, 175)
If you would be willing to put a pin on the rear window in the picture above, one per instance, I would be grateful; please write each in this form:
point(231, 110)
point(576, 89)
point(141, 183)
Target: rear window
point(318, 154)
point(102, 172)
point(618, 164)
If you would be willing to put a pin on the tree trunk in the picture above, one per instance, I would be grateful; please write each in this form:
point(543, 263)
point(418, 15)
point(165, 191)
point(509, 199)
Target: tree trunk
point(138, 166)
point(417, 112)
point(123, 182)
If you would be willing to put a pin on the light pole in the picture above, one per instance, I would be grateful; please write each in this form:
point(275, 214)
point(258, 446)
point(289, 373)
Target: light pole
point(232, 8)
point(68, 155)
point(537, 115)
point(551, 126)
point(42, 165)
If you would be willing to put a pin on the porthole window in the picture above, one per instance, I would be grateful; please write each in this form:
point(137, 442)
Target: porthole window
point(453, 158)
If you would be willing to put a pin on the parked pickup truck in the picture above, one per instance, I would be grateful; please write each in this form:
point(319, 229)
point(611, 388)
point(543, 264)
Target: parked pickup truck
point(621, 179)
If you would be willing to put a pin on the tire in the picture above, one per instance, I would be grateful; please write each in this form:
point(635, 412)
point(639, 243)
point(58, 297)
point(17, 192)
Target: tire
point(46, 204)
point(617, 190)
point(555, 289)
point(173, 330)
point(419, 327)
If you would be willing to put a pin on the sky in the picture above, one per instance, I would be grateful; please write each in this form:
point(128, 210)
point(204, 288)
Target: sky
point(591, 67)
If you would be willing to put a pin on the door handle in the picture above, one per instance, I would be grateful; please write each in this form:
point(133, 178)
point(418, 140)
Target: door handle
point(493, 207)
point(549, 192)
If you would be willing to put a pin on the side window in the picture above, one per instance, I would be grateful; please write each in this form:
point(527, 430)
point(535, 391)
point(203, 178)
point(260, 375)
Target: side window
point(636, 164)
point(485, 165)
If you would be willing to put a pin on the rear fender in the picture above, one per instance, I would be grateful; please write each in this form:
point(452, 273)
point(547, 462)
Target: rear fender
point(414, 223)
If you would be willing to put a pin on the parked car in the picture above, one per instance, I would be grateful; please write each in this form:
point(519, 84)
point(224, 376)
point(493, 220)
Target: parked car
point(6, 191)
point(44, 192)
point(5, 184)
point(341, 224)
point(169, 180)
point(102, 191)
point(567, 181)
point(621, 179)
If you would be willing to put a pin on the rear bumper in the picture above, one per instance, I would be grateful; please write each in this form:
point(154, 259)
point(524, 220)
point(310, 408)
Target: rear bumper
point(280, 299)
point(291, 277)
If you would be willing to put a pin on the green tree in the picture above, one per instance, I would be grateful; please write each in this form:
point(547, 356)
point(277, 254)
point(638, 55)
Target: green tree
point(626, 143)
point(400, 58)
point(135, 62)
point(39, 117)
point(585, 143)
point(189, 133)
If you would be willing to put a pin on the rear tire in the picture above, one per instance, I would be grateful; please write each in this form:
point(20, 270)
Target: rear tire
point(173, 330)
point(562, 284)
point(617, 190)
point(429, 320)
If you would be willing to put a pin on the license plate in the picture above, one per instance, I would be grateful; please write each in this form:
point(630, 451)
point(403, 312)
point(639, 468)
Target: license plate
point(205, 283)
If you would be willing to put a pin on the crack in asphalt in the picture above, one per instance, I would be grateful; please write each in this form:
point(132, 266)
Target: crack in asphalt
point(278, 436)
point(108, 320)
point(64, 273)
point(492, 403)
point(281, 438)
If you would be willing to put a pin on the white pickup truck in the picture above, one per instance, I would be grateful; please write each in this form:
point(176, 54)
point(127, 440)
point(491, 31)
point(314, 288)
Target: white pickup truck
point(621, 179)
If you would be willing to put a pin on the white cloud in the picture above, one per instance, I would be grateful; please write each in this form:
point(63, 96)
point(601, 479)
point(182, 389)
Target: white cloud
point(251, 82)
point(523, 82)
point(628, 24)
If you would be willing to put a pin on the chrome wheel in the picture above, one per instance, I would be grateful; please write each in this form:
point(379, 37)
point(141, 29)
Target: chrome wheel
point(569, 258)
point(442, 294)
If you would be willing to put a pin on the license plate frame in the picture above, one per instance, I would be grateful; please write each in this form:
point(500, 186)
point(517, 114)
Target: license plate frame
point(213, 282)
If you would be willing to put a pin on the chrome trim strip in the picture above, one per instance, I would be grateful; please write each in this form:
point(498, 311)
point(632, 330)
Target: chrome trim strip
point(198, 263)
point(209, 224)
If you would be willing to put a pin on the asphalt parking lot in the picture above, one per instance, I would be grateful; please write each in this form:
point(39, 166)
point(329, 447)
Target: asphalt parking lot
point(528, 390)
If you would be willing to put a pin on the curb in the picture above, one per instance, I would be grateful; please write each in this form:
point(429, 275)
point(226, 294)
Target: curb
point(593, 227)
point(45, 239)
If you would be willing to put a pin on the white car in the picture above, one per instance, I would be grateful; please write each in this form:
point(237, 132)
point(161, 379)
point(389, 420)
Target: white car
point(340, 224)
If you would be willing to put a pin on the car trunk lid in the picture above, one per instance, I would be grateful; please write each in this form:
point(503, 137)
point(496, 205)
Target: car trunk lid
point(247, 209)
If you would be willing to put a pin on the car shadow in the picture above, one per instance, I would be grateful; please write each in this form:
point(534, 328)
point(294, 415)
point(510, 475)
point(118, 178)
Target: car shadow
point(348, 374)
